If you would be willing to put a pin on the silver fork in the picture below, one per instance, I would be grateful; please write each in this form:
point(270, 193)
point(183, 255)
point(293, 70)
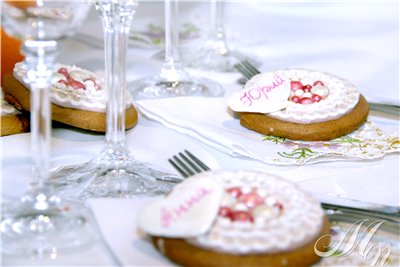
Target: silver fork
point(248, 71)
point(188, 165)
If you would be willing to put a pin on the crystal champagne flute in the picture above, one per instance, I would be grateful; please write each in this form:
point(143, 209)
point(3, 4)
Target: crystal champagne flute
point(41, 222)
point(215, 54)
point(114, 172)
point(173, 80)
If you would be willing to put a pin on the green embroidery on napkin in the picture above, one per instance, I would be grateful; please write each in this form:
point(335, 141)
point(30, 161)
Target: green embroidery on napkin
point(368, 142)
point(298, 153)
point(274, 139)
point(346, 139)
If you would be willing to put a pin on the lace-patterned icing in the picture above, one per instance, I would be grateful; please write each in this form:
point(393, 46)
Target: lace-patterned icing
point(7, 108)
point(261, 214)
point(342, 98)
point(73, 87)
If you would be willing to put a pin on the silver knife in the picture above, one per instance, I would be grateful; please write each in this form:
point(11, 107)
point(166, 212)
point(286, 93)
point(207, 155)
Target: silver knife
point(335, 204)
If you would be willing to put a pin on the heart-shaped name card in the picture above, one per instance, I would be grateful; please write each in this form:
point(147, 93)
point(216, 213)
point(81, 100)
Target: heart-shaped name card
point(264, 93)
point(188, 211)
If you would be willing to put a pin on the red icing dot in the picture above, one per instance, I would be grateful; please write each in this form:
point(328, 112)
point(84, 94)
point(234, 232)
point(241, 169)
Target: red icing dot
point(225, 212)
point(235, 192)
point(307, 88)
point(295, 99)
point(75, 84)
point(96, 86)
point(252, 199)
point(316, 98)
point(305, 100)
point(279, 206)
point(90, 79)
point(242, 216)
point(294, 85)
point(318, 83)
point(62, 82)
point(64, 72)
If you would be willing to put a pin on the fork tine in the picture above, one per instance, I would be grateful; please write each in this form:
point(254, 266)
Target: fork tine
point(243, 70)
point(198, 161)
point(250, 67)
point(187, 165)
point(184, 166)
point(189, 162)
point(180, 167)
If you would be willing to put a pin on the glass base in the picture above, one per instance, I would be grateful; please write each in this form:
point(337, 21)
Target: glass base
point(158, 87)
point(214, 56)
point(112, 175)
point(43, 225)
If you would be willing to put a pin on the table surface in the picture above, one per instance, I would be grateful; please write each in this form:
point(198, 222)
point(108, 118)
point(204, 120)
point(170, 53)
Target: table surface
point(369, 59)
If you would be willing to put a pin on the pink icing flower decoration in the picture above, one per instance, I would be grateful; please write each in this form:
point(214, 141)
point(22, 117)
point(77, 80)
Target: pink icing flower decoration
point(308, 94)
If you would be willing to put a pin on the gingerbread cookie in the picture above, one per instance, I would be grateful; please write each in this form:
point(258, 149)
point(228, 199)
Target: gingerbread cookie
point(304, 105)
point(242, 218)
point(77, 96)
point(13, 121)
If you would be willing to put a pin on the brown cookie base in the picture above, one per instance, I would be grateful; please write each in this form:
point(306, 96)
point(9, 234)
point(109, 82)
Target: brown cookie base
point(14, 124)
point(185, 254)
point(18, 95)
point(319, 131)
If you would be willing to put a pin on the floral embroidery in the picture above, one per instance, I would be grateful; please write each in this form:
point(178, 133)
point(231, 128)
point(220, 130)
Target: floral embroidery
point(298, 153)
point(275, 139)
point(368, 142)
point(346, 139)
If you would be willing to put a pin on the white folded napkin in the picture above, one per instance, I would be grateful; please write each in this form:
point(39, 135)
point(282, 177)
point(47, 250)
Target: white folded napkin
point(117, 220)
point(211, 121)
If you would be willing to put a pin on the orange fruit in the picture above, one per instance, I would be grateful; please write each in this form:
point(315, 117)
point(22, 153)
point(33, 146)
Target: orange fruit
point(22, 4)
point(10, 53)
point(10, 47)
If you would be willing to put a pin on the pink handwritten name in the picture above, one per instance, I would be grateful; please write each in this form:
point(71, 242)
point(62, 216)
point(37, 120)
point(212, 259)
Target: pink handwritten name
point(172, 214)
point(261, 93)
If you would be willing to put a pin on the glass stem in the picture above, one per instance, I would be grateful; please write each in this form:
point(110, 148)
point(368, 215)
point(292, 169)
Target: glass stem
point(217, 19)
point(171, 31)
point(116, 33)
point(40, 61)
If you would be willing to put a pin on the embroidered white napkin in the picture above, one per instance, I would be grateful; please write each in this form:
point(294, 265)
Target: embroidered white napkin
point(210, 121)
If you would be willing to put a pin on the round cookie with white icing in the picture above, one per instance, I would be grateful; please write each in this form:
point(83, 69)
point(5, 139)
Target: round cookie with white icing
point(242, 218)
point(78, 97)
point(13, 121)
point(320, 106)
